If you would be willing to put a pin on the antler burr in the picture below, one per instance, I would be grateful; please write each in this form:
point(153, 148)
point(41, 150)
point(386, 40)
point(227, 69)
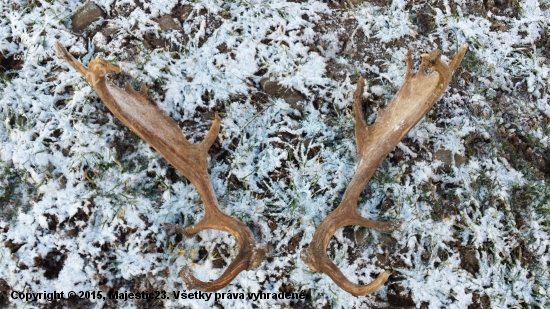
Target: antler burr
point(141, 114)
point(416, 96)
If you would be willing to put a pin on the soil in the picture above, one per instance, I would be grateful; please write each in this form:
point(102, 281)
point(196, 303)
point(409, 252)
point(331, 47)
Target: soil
point(518, 150)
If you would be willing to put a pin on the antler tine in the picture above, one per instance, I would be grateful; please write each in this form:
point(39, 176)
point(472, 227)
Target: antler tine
point(137, 111)
point(416, 96)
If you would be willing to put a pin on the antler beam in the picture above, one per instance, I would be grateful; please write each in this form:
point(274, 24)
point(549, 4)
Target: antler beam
point(141, 114)
point(416, 96)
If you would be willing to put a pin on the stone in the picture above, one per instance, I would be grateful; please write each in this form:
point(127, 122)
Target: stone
point(109, 30)
point(182, 12)
point(446, 156)
point(167, 22)
point(426, 19)
point(459, 159)
point(291, 96)
point(125, 8)
point(272, 88)
point(100, 42)
point(86, 15)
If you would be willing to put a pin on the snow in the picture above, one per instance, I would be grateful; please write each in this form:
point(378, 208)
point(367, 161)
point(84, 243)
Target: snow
point(77, 185)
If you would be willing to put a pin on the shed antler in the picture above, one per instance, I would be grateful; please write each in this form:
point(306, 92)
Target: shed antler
point(418, 94)
point(141, 114)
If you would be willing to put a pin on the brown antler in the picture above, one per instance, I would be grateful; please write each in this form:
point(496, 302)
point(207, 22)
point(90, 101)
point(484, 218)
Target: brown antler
point(137, 111)
point(418, 94)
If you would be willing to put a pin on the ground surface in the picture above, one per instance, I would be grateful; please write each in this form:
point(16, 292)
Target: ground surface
point(82, 199)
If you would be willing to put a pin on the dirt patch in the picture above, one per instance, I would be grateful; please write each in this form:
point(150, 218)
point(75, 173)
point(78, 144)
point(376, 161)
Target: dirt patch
point(480, 301)
point(357, 50)
point(85, 16)
point(13, 246)
point(502, 7)
point(520, 150)
point(124, 144)
point(13, 62)
point(399, 296)
point(388, 245)
point(4, 292)
point(425, 19)
point(290, 95)
point(294, 242)
point(183, 11)
point(468, 259)
point(219, 253)
point(52, 263)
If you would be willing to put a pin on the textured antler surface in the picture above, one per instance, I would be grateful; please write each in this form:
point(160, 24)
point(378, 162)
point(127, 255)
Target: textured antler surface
point(416, 96)
point(137, 111)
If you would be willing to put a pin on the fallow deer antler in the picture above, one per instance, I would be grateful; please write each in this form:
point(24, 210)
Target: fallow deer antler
point(417, 95)
point(141, 114)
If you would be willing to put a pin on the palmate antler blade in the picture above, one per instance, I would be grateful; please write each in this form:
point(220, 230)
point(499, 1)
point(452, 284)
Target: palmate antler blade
point(137, 111)
point(418, 94)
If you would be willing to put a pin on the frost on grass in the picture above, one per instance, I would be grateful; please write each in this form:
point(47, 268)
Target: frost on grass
point(83, 199)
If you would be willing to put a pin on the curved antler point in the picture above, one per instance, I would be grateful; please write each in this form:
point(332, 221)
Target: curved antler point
point(257, 256)
point(143, 89)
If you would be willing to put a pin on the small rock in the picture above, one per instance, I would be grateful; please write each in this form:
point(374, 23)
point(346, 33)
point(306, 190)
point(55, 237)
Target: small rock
point(183, 12)
point(125, 8)
point(360, 236)
point(272, 88)
point(152, 41)
point(86, 15)
point(105, 288)
point(291, 96)
point(167, 22)
point(468, 260)
point(446, 156)
point(399, 296)
point(109, 30)
point(459, 159)
point(426, 19)
point(388, 243)
point(100, 42)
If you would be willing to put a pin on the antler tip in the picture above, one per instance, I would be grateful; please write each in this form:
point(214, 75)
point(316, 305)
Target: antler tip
point(257, 256)
point(384, 276)
point(61, 51)
point(461, 51)
point(370, 288)
point(176, 228)
point(457, 58)
point(409, 63)
point(143, 89)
